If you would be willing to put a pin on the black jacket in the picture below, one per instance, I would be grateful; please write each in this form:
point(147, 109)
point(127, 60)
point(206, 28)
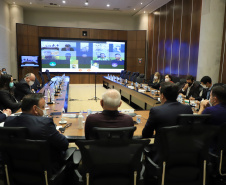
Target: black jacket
point(22, 89)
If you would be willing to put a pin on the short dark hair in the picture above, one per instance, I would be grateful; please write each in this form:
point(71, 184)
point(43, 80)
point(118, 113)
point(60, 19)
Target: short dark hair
point(5, 80)
point(190, 77)
point(170, 76)
point(30, 100)
point(206, 79)
point(169, 90)
point(220, 93)
point(3, 68)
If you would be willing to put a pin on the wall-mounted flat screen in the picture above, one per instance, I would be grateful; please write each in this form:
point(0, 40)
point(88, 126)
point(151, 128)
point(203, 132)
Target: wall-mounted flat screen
point(29, 61)
point(58, 55)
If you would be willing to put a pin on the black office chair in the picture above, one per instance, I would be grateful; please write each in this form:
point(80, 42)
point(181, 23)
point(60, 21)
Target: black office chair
point(114, 133)
point(36, 86)
point(121, 74)
point(140, 78)
point(42, 78)
point(183, 154)
point(175, 79)
point(48, 75)
point(128, 75)
point(124, 74)
point(191, 119)
point(135, 77)
point(111, 161)
point(132, 76)
point(27, 161)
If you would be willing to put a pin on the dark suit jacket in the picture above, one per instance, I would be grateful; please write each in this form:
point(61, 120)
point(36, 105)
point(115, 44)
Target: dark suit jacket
point(194, 91)
point(22, 89)
point(8, 101)
point(41, 128)
point(2, 117)
point(106, 119)
point(64, 49)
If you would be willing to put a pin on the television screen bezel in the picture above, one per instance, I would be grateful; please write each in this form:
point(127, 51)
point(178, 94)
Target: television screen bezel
point(83, 39)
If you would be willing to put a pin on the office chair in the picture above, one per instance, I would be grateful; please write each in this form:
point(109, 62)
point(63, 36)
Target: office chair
point(114, 133)
point(27, 161)
point(135, 77)
point(121, 74)
point(36, 86)
point(191, 119)
point(132, 76)
point(140, 78)
point(48, 75)
point(42, 77)
point(111, 161)
point(128, 75)
point(124, 74)
point(183, 154)
point(175, 79)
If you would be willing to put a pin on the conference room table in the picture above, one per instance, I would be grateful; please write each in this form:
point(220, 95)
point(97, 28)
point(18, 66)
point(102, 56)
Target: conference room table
point(57, 110)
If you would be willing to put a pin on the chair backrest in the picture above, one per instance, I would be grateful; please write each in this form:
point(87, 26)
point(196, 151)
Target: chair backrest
point(121, 74)
point(135, 77)
point(140, 78)
point(42, 77)
point(175, 79)
point(128, 75)
point(7, 133)
point(184, 153)
point(36, 85)
point(124, 74)
point(109, 158)
point(114, 133)
point(132, 76)
point(182, 81)
point(191, 119)
point(48, 75)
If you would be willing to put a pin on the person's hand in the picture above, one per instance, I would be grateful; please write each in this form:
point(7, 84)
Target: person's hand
point(7, 111)
point(185, 87)
point(191, 98)
point(204, 103)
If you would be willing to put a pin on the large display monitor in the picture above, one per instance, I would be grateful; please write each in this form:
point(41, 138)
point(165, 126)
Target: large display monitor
point(27, 61)
point(63, 55)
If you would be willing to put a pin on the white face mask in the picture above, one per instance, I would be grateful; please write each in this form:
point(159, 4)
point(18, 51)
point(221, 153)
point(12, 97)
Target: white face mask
point(31, 83)
point(204, 86)
point(155, 77)
point(166, 79)
point(43, 111)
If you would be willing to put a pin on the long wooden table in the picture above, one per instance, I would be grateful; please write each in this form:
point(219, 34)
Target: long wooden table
point(60, 104)
point(143, 99)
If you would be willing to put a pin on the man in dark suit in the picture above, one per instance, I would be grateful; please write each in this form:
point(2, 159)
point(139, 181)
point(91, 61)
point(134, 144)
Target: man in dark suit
point(110, 117)
point(166, 114)
point(191, 90)
point(67, 48)
point(4, 114)
point(24, 86)
point(40, 128)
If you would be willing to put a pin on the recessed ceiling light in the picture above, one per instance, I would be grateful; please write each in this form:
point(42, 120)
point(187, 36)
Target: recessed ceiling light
point(14, 3)
point(134, 9)
point(30, 2)
point(156, 13)
point(141, 3)
point(144, 11)
point(108, 5)
point(64, 2)
point(86, 3)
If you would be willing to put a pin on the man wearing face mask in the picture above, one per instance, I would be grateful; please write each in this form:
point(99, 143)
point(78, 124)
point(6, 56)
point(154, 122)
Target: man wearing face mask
point(40, 128)
point(207, 85)
point(215, 106)
point(191, 90)
point(24, 86)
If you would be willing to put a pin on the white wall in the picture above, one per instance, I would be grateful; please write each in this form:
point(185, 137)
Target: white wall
point(78, 19)
point(211, 35)
point(4, 36)
point(16, 16)
point(141, 22)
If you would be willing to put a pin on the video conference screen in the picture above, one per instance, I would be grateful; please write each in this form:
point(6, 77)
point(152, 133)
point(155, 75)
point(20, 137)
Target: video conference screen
point(29, 61)
point(82, 56)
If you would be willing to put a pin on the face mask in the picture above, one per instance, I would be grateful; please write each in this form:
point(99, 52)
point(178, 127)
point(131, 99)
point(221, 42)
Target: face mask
point(31, 83)
point(43, 111)
point(155, 77)
point(4, 72)
point(166, 79)
point(11, 84)
point(204, 86)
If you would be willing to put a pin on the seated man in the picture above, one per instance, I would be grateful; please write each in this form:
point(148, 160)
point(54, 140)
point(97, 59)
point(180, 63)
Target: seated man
point(24, 86)
point(165, 114)
point(191, 90)
point(40, 128)
point(110, 117)
point(216, 106)
point(4, 114)
point(206, 83)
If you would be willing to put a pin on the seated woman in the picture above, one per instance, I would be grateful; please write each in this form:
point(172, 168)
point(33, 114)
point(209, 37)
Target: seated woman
point(156, 81)
point(7, 100)
point(168, 78)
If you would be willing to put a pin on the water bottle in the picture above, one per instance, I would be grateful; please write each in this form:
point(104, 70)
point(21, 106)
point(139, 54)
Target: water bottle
point(80, 121)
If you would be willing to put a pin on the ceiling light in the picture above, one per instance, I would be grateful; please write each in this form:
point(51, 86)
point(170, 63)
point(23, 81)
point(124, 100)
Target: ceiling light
point(86, 3)
point(64, 2)
point(141, 3)
point(30, 2)
point(156, 13)
point(108, 5)
point(134, 9)
point(14, 3)
point(144, 11)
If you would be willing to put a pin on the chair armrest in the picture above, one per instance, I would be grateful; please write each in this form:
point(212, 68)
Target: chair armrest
point(69, 153)
point(77, 157)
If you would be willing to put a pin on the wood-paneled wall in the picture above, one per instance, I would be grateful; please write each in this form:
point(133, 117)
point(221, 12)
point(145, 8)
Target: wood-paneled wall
point(222, 74)
point(173, 38)
point(28, 44)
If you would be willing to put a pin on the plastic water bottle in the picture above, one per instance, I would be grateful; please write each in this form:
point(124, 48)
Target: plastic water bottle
point(80, 121)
